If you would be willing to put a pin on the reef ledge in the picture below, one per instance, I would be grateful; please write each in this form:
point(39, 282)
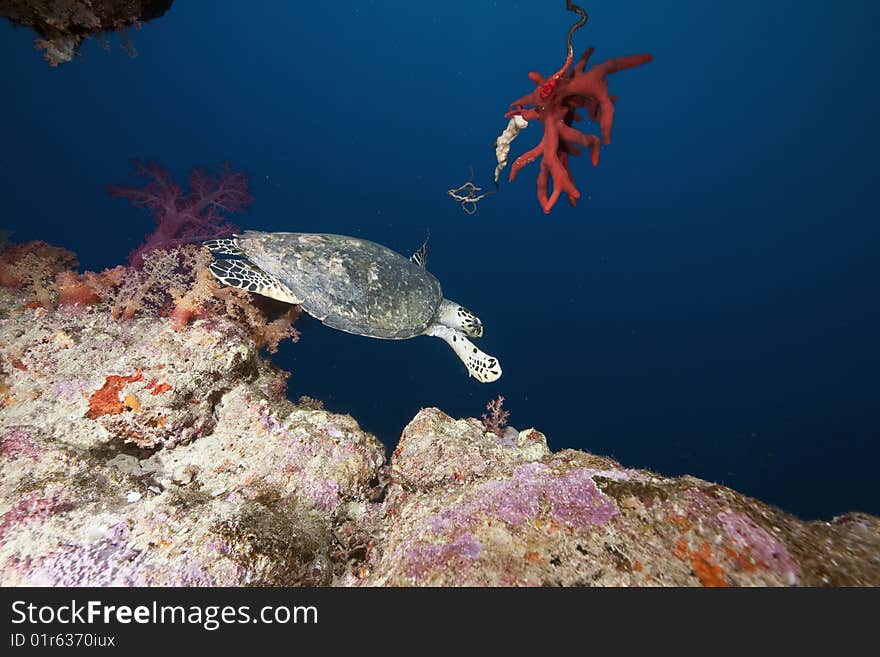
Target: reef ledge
point(132, 453)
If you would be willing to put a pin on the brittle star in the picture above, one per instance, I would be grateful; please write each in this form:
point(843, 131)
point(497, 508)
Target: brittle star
point(470, 198)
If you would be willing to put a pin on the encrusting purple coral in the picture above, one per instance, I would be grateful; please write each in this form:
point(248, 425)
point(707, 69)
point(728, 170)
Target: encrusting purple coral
point(111, 561)
point(423, 558)
point(571, 498)
point(446, 537)
point(31, 508)
point(18, 442)
point(762, 546)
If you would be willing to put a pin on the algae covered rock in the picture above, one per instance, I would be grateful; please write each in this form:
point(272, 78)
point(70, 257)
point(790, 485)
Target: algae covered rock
point(434, 449)
point(524, 516)
point(135, 454)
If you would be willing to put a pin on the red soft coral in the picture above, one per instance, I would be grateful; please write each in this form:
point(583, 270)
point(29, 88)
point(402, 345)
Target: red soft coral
point(555, 102)
point(182, 217)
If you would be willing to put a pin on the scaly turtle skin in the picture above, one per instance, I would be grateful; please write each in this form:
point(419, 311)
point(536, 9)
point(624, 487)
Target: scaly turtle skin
point(353, 285)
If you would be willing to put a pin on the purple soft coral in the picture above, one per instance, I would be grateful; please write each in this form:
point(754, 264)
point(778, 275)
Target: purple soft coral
point(181, 217)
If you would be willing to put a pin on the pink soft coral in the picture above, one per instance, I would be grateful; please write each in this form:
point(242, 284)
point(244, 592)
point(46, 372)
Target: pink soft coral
point(182, 217)
point(496, 420)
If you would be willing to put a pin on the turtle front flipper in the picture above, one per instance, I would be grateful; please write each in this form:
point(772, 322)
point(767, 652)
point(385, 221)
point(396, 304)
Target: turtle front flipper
point(457, 317)
point(247, 276)
point(480, 365)
point(226, 246)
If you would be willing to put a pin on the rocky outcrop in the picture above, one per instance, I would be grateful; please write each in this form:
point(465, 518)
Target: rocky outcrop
point(466, 507)
point(135, 454)
point(64, 24)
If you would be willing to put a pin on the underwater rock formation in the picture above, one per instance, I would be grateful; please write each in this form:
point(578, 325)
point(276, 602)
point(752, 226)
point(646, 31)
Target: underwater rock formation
point(63, 24)
point(468, 508)
point(132, 453)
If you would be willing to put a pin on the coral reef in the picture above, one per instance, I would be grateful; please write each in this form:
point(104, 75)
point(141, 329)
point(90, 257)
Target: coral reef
point(513, 513)
point(64, 24)
point(174, 283)
point(137, 452)
point(33, 266)
point(134, 453)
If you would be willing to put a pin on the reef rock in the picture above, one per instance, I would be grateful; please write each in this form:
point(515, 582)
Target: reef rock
point(63, 24)
point(512, 513)
point(134, 454)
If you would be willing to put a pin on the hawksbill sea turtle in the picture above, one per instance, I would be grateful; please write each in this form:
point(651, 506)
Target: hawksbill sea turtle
point(353, 285)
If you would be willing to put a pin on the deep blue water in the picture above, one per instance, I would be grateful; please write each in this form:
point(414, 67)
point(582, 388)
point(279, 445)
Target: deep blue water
point(711, 305)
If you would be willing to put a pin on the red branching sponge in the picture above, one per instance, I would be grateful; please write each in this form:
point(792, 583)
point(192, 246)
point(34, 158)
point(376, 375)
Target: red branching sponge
point(185, 217)
point(555, 102)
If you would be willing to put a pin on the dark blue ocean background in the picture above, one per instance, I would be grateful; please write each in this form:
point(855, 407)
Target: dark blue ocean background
point(711, 305)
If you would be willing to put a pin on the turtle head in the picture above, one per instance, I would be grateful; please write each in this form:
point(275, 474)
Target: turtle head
point(458, 317)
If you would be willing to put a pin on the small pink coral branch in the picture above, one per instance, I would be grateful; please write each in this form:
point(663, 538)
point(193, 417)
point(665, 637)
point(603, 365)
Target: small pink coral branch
point(496, 420)
point(185, 217)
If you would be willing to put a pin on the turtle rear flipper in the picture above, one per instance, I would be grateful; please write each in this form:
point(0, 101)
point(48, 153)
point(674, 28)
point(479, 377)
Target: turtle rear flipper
point(246, 276)
point(480, 365)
